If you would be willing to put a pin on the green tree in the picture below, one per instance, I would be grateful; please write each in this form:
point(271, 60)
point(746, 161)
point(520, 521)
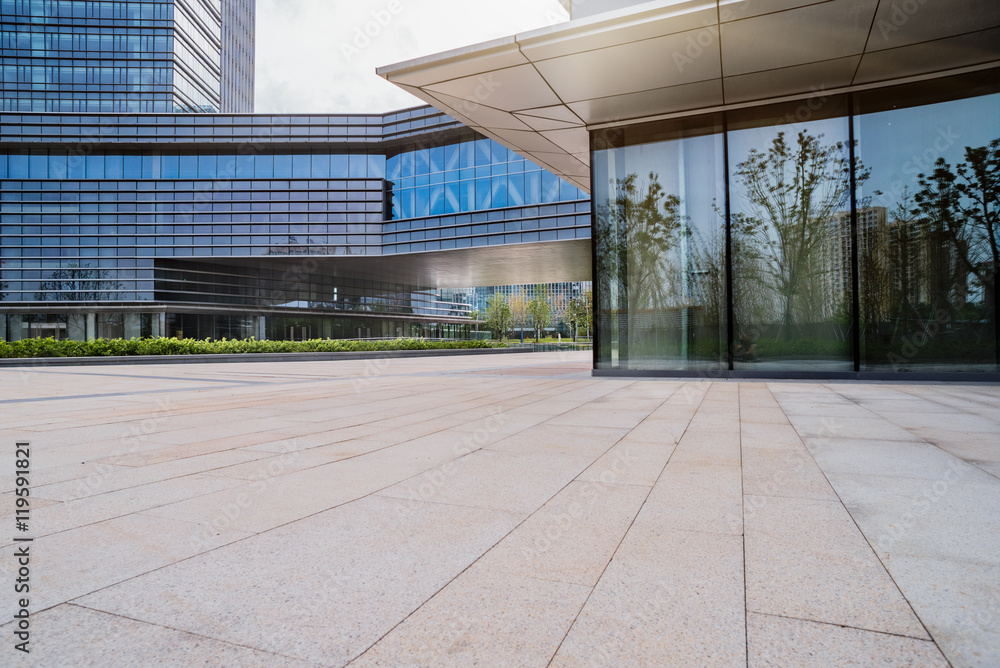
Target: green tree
point(540, 310)
point(579, 312)
point(960, 205)
point(574, 314)
point(635, 229)
point(519, 311)
point(498, 315)
point(792, 192)
point(477, 316)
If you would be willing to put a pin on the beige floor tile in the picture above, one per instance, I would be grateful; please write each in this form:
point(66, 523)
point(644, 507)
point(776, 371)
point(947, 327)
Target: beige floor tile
point(483, 618)
point(559, 440)
point(708, 447)
point(959, 603)
point(265, 504)
point(850, 428)
point(770, 435)
point(73, 563)
point(784, 472)
point(806, 559)
point(103, 478)
point(659, 431)
point(509, 481)
point(777, 641)
point(956, 514)
point(668, 598)
point(572, 537)
point(630, 463)
point(585, 417)
point(697, 497)
point(350, 575)
point(70, 635)
point(101, 507)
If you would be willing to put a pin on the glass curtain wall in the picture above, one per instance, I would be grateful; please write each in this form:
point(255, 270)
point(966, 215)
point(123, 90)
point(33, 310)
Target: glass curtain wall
point(660, 234)
point(472, 175)
point(928, 236)
point(856, 232)
point(790, 221)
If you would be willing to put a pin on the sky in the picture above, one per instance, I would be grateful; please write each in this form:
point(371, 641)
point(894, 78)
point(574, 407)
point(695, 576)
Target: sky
point(319, 56)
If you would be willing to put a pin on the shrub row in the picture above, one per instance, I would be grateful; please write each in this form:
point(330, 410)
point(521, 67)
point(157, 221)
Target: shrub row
point(163, 346)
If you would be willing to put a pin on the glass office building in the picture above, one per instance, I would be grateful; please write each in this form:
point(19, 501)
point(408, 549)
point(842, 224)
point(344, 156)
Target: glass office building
point(860, 238)
point(807, 190)
point(238, 57)
point(126, 56)
point(281, 227)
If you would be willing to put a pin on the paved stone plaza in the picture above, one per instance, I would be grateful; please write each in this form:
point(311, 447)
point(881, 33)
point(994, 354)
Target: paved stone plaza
point(499, 510)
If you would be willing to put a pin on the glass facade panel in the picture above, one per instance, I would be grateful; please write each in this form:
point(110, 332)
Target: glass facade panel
point(125, 56)
point(858, 234)
point(486, 174)
point(790, 194)
point(105, 227)
point(661, 247)
point(928, 226)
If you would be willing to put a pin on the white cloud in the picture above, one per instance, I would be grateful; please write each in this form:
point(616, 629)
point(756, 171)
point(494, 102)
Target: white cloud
point(319, 56)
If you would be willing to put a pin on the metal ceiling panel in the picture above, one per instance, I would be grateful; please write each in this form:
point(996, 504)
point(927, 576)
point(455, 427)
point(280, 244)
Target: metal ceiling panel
point(540, 92)
point(630, 68)
point(819, 76)
point(809, 34)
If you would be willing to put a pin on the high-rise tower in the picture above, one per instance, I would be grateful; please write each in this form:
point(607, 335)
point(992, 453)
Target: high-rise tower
point(238, 34)
point(126, 56)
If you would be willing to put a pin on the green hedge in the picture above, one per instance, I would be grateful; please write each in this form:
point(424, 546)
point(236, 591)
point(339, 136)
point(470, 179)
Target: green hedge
point(163, 346)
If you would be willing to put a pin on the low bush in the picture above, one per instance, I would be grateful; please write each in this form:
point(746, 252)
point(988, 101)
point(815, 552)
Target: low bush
point(163, 346)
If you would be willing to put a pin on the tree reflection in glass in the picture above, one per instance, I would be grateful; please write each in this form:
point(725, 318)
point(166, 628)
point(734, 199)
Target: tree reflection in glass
point(791, 251)
point(660, 251)
point(928, 269)
point(78, 283)
point(663, 279)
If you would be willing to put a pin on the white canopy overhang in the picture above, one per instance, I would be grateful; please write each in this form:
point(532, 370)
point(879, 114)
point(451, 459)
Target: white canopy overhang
point(540, 92)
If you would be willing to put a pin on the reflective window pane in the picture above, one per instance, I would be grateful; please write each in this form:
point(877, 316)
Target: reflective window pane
point(791, 244)
point(660, 240)
point(927, 226)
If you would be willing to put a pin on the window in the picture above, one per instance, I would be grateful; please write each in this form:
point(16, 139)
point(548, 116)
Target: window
point(790, 229)
point(927, 294)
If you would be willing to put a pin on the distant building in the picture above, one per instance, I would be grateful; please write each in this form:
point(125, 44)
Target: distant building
point(122, 56)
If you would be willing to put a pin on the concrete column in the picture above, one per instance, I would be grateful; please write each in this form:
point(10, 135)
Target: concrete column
point(261, 332)
point(91, 326)
point(133, 326)
point(76, 327)
point(3, 327)
point(159, 324)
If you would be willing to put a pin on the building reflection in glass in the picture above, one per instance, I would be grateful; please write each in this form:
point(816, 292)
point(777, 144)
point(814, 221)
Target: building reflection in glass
point(897, 275)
